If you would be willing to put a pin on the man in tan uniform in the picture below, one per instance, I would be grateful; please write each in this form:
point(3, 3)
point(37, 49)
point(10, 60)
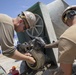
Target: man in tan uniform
point(7, 27)
point(67, 43)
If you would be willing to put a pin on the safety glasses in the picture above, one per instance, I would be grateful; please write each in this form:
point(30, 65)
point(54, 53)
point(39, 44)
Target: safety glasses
point(23, 17)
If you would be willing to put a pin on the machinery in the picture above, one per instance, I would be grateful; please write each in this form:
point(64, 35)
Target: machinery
point(36, 48)
point(48, 27)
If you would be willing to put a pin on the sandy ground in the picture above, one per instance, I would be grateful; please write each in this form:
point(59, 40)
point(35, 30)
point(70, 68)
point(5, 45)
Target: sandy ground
point(7, 63)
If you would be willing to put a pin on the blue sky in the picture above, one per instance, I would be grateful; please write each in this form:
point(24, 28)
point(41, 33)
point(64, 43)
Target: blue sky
point(14, 7)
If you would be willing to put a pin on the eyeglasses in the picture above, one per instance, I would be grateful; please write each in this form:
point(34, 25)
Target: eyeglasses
point(69, 14)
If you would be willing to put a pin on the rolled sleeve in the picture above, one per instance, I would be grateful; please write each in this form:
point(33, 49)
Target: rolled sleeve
point(9, 52)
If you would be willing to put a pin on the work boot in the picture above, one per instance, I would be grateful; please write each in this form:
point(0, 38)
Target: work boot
point(57, 71)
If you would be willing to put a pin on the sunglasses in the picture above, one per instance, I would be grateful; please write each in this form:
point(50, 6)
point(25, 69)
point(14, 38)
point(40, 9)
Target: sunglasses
point(23, 17)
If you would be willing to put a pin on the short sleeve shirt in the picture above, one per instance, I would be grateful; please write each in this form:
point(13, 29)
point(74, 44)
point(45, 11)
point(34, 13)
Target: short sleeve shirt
point(70, 34)
point(6, 35)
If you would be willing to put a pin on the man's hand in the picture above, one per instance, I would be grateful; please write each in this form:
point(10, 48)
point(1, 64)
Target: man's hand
point(40, 41)
point(30, 59)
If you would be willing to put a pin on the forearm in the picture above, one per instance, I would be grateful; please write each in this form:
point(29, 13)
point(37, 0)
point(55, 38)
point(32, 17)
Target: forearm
point(52, 45)
point(19, 56)
point(26, 57)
